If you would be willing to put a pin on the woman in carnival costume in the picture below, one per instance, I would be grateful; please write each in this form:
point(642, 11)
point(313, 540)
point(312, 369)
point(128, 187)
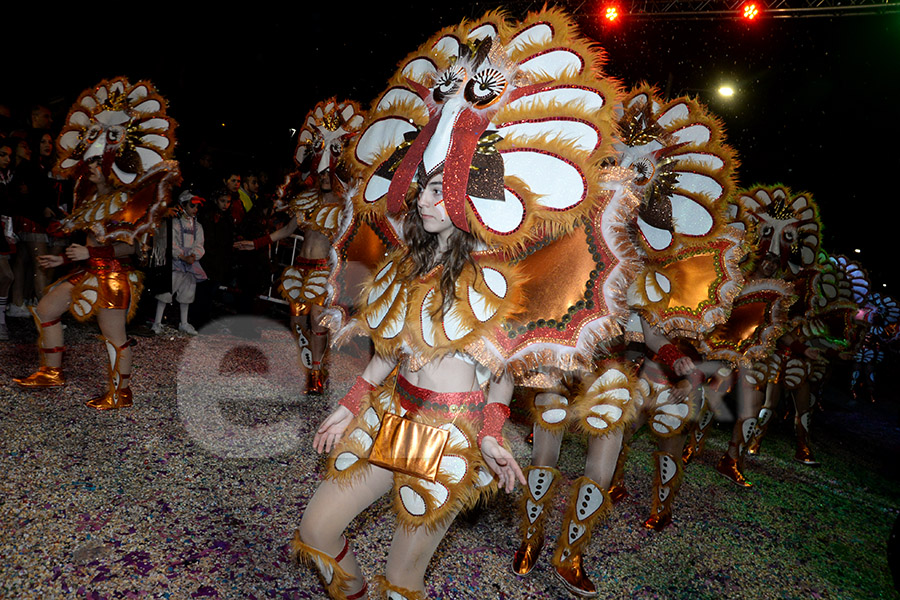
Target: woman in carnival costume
point(117, 142)
point(824, 322)
point(683, 172)
point(320, 211)
point(880, 315)
point(470, 139)
point(783, 234)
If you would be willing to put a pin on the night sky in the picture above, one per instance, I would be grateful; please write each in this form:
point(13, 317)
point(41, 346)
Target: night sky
point(815, 109)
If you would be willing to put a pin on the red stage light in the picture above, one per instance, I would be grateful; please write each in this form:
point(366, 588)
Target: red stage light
point(750, 11)
point(611, 13)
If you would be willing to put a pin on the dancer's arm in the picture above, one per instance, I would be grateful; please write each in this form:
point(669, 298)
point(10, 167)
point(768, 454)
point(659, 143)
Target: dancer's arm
point(332, 428)
point(498, 458)
point(289, 228)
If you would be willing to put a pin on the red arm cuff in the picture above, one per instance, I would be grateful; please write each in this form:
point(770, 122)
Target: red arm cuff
point(262, 242)
point(355, 394)
point(102, 251)
point(668, 354)
point(495, 415)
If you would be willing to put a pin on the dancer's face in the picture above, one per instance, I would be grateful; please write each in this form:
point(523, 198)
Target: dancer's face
point(432, 209)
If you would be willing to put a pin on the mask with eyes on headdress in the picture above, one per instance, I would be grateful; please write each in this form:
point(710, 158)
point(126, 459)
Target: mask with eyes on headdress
point(327, 130)
point(671, 157)
point(788, 227)
point(125, 128)
point(518, 116)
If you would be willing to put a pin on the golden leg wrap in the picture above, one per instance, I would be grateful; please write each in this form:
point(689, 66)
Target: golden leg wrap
point(317, 381)
point(392, 592)
point(45, 376)
point(617, 490)
point(118, 393)
point(588, 505)
point(533, 510)
point(666, 483)
point(804, 453)
point(334, 578)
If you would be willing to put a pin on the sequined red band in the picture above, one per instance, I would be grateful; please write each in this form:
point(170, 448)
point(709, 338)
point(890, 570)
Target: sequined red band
point(450, 404)
point(668, 354)
point(355, 394)
point(495, 415)
point(311, 263)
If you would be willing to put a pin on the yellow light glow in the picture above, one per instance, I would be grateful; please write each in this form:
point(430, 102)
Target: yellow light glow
point(726, 91)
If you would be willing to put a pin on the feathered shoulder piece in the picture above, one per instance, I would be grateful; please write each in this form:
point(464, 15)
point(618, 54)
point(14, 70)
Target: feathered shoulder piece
point(672, 157)
point(516, 114)
point(125, 128)
point(759, 316)
point(405, 314)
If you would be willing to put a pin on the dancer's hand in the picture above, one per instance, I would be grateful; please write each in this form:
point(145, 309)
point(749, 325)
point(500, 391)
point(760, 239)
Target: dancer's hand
point(244, 245)
point(49, 261)
point(683, 366)
point(502, 463)
point(331, 429)
point(77, 252)
point(681, 390)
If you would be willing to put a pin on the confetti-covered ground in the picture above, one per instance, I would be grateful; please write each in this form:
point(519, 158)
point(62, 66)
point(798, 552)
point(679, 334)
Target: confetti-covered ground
point(195, 490)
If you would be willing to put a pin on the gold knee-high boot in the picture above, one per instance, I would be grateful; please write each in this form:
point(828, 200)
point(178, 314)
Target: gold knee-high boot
point(617, 489)
point(666, 483)
point(318, 376)
point(762, 426)
point(588, 504)
point(45, 376)
point(804, 453)
point(533, 510)
point(732, 468)
point(118, 394)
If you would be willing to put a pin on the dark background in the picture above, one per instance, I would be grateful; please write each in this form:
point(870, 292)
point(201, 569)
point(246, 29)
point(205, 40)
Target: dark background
point(816, 104)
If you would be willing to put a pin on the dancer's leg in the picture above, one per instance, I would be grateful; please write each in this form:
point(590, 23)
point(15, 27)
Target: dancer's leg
point(329, 512)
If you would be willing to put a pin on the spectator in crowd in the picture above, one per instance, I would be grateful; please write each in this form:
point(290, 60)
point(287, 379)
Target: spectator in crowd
point(218, 234)
point(7, 242)
point(187, 250)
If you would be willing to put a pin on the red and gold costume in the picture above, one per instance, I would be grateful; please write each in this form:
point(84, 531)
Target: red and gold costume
point(671, 157)
point(124, 127)
point(516, 115)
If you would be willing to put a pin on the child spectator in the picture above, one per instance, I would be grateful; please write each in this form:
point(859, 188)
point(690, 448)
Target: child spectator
point(187, 249)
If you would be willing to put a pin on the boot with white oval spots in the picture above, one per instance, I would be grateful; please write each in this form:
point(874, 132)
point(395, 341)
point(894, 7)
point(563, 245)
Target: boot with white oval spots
point(804, 453)
point(533, 509)
point(762, 425)
point(588, 505)
point(335, 579)
point(387, 591)
point(666, 484)
point(697, 437)
point(731, 465)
